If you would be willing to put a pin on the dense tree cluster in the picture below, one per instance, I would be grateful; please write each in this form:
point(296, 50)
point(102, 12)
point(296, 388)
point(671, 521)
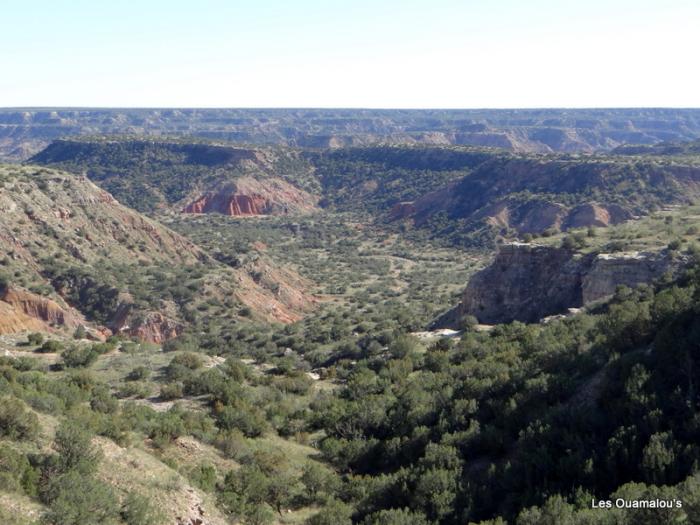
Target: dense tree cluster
point(502, 421)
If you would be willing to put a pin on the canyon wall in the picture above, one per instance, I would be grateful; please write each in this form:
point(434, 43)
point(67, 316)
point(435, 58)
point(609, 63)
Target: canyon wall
point(527, 282)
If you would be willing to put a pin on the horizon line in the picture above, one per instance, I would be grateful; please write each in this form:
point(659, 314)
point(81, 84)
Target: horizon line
point(349, 108)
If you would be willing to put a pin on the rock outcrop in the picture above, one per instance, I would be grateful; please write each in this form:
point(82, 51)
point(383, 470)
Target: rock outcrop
point(192, 176)
point(527, 282)
point(41, 308)
point(230, 204)
point(522, 216)
point(152, 327)
point(13, 321)
point(22, 310)
point(608, 271)
point(592, 214)
point(250, 196)
point(508, 194)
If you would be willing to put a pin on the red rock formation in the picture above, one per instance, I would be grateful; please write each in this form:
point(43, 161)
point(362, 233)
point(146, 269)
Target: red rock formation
point(249, 196)
point(62, 213)
point(525, 217)
point(39, 307)
point(276, 294)
point(153, 327)
point(235, 204)
point(13, 320)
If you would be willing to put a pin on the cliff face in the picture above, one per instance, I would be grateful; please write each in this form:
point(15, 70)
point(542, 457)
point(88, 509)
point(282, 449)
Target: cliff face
point(608, 271)
point(154, 327)
point(232, 204)
point(13, 320)
point(40, 308)
point(527, 282)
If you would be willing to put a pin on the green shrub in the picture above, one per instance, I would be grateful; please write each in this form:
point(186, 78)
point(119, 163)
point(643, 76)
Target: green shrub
point(134, 389)
point(50, 347)
point(171, 391)
point(248, 420)
point(16, 421)
point(80, 332)
point(80, 500)
point(204, 477)
point(73, 442)
point(334, 513)
point(166, 428)
point(83, 379)
point(16, 473)
point(319, 482)
point(137, 510)
point(184, 342)
point(188, 360)
point(35, 339)
point(139, 373)
point(102, 401)
point(232, 443)
point(77, 357)
point(395, 517)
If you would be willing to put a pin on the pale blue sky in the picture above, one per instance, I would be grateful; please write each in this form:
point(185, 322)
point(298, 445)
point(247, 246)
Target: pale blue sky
point(381, 53)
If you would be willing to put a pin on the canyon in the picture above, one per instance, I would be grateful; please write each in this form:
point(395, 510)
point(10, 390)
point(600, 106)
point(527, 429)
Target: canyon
point(24, 132)
point(74, 256)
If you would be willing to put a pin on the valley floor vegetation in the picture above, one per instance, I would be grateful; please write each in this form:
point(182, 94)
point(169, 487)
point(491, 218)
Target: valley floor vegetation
point(348, 416)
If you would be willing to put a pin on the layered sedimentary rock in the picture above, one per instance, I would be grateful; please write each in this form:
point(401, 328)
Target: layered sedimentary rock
point(592, 214)
point(608, 271)
point(250, 196)
point(507, 194)
point(153, 327)
point(527, 282)
point(24, 131)
point(529, 216)
point(40, 308)
point(232, 204)
point(13, 320)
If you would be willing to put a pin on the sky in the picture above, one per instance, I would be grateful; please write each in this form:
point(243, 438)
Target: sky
point(356, 53)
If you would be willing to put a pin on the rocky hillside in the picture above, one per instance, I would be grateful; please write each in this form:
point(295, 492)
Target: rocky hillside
point(376, 178)
point(24, 132)
point(74, 256)
point(468, 196)
point(190, 176)
point(662, 148)
point(514, 195)
point(527, 282)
